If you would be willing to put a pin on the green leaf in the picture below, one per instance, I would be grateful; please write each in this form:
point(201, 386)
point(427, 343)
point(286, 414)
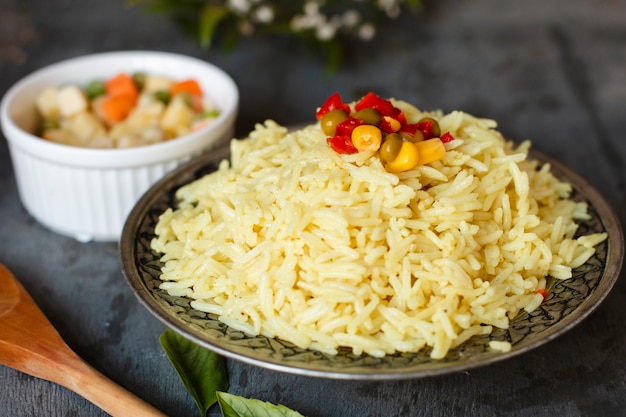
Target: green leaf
point(416, 6)
point(202, 371)
point(236, 406)
point(334, 55)
point(210, 17)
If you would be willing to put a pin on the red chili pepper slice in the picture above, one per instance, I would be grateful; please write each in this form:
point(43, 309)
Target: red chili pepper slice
point(371, 100)
point(385, 126)
point(342, 144)
point(446, 137)
point(346, 127)
point(333, 102)
point(382, 106)
point(409, 128)
point(400, 116)
point(426, 128)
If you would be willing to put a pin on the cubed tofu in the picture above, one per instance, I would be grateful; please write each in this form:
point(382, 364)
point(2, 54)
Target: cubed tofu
point(86, 127)
point(153, 134)
point(47, 104)
point(130, 141)
point(61, 136)
point(145, 114)
point(181, 131)
point(156, 83)
point(177, 115)
point(120, 130)
point(102, 142)
point(71, 100)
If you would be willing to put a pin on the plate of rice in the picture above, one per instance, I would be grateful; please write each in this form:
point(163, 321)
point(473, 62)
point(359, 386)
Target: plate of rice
point(290, 252)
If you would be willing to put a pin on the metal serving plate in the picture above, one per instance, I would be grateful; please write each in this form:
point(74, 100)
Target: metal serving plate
point(568, 303)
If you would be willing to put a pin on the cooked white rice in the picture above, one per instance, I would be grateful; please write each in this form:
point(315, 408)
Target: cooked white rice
point(292, 240)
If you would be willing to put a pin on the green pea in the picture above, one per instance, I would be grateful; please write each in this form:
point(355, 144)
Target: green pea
point(331, 119)
point(210, 114)
point(390, 147)
point(369, 116)
point(140, 80)
point(163, 96)
point(94, 89)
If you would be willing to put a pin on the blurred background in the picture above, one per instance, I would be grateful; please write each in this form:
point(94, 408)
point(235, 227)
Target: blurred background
point(542, 69)
point(550, 71)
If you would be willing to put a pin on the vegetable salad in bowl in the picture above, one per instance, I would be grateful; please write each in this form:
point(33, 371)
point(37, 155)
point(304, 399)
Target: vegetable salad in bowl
point(89, 135)
point(125, 110)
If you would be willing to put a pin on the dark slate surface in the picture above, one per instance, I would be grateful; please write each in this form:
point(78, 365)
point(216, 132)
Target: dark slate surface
point(554, 72)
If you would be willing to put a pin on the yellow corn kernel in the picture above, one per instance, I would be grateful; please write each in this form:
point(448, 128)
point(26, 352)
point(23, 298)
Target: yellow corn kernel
point(430, 150)
point(407, 158)
point(366, 138)
point(394, 124)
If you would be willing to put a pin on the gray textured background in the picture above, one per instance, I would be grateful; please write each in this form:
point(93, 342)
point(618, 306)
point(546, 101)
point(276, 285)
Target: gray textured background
point(551, 71)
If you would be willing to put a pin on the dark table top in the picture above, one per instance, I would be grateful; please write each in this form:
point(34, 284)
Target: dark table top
point(553, 72)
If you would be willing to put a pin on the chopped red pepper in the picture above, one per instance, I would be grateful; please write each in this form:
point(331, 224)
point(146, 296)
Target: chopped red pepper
point(382, 106)
point(426, 127)
point(342, 144)
point(387, 126)
point(346, 127)
point(409, 128)
point(542, 292)
point(373, 101)
point(446, 137)
point(387, 118)
point(333, 102)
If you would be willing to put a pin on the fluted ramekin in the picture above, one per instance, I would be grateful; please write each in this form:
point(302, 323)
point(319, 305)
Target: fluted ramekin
point(87, 193)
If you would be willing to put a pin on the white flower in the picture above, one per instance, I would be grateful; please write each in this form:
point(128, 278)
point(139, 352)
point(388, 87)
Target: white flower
point(311, 8)
point(246, 28)
point(391, 7)
point(314, 17)
point(351, 18)
point(239, 6)
point(367, 31)
point(325, 31)
point(304, 22)
point(264, 14)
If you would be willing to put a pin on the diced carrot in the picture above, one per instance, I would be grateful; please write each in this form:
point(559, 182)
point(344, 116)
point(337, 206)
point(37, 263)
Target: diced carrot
point(122, 85)
point(116, 109)
point(187, 86)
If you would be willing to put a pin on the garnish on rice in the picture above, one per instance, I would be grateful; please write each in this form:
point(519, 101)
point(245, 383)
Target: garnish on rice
point(376, 125)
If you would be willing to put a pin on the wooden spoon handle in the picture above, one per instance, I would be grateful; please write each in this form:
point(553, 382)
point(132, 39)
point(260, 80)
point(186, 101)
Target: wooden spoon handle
point(59, 364)
point(106, 394)
point(30, 344)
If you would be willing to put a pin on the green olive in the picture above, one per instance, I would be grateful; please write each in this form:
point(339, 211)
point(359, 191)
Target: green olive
point(331, 119)
point(418, 136)
point(390, 147)
point(369, 116)
point(435, 131)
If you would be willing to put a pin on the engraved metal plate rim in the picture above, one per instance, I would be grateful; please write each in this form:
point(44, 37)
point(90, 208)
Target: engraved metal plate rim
point(578, 300)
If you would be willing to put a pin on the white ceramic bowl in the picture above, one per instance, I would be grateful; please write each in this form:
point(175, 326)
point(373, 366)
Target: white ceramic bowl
point(87, 193)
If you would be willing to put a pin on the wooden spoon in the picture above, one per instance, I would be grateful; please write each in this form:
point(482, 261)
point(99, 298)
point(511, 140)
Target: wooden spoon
point(30, 344)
